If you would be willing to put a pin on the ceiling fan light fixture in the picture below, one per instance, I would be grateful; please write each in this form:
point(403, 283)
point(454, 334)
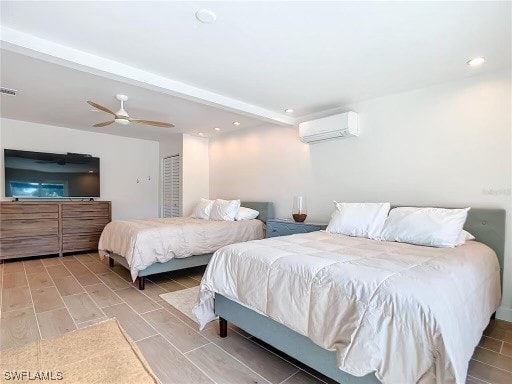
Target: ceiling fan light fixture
point(122, 117)
point(122, 121)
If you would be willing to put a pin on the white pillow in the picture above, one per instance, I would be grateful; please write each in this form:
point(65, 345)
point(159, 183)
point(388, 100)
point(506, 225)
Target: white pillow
point(225, 210)
point(358, 219)
point(203, 209)
point(246, 214)
point(435, 227)
point(463, 237)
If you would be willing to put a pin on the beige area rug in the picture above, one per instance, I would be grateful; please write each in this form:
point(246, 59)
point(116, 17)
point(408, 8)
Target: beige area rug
point(99, 354)
point(183, 300)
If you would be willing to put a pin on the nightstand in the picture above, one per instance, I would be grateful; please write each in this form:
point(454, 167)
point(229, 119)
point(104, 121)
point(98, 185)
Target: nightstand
point(280, 227)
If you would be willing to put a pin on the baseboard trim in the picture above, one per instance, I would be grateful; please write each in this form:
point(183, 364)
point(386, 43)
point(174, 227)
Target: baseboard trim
point(504, 313)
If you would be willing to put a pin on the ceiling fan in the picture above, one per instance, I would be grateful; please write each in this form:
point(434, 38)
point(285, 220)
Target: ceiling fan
point(122, 117)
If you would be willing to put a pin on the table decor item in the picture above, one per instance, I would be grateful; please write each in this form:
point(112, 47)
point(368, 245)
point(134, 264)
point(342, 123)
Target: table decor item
point(299, 212)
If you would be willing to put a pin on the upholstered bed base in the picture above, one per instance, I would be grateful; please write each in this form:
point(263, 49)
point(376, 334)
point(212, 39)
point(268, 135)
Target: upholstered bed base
point(171, 265)
point(284, 339)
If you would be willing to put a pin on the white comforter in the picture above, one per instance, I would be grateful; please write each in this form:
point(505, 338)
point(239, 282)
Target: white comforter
point(410, 314)
point(145, 242)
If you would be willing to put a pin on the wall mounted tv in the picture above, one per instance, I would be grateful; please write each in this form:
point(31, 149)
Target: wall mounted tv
point(34, 175)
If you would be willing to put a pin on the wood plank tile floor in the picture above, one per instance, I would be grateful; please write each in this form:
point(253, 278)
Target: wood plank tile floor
point(42, 298)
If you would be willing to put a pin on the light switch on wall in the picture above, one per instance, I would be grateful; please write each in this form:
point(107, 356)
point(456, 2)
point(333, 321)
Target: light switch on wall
point(141, 179)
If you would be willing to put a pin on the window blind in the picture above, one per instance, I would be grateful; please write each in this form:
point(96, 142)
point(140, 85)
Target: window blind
point(171, 187)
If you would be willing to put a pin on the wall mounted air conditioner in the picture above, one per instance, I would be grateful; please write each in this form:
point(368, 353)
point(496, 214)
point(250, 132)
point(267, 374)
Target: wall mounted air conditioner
point(331, 127)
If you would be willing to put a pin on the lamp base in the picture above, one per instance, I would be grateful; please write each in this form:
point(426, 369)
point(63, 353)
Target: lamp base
point(299, 217)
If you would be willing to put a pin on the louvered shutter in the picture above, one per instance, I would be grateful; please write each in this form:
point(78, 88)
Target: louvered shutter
point(171, 186)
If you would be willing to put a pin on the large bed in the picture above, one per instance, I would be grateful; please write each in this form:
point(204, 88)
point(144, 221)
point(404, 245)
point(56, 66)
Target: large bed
point(147, 247)
point(359, 310)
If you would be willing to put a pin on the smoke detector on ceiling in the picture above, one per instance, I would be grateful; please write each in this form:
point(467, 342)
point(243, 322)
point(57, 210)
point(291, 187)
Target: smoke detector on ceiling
point(8, 91)
point(206, 16)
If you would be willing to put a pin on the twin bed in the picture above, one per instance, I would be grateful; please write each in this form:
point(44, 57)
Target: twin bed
point(356, 310)
point(148, 247)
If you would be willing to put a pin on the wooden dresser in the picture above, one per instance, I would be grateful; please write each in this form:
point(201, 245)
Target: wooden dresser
point(33, 228)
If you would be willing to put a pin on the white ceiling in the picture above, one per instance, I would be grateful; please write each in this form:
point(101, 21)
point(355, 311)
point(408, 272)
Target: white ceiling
point(52, 94)
point(259, 57)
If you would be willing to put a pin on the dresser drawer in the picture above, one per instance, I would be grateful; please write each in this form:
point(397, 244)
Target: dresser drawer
point(29, 216)
point(85, 210)
point(85, 226)
point(28, 228)
point(283, 228)
point(29, 246)
point(27, 208)
point(80, 242)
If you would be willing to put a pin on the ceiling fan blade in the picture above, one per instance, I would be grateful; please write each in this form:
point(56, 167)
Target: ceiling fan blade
point(103, 124)
point(100, 107)
point(154, 123)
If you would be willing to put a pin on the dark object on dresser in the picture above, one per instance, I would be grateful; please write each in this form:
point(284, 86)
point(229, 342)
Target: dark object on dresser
point(34, 228)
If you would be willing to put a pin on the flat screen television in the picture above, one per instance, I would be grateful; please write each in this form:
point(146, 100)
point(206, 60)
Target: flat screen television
point(33, 175)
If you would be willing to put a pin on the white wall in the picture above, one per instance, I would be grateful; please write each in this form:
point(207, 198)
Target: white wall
point(122, 161)
point(447, 145)
point(170, 147)
point(195, 172)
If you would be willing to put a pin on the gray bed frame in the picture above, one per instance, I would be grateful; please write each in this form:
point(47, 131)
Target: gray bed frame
point(487, 225)
point(266, 210)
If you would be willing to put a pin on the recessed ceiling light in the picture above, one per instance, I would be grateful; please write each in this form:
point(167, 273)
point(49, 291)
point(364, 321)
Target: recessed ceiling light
point(476, 61)
point(206, 16)
point(288, 110)
point(91, 171)
point(237, 123)
point(217, 128)
point(201, 134)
